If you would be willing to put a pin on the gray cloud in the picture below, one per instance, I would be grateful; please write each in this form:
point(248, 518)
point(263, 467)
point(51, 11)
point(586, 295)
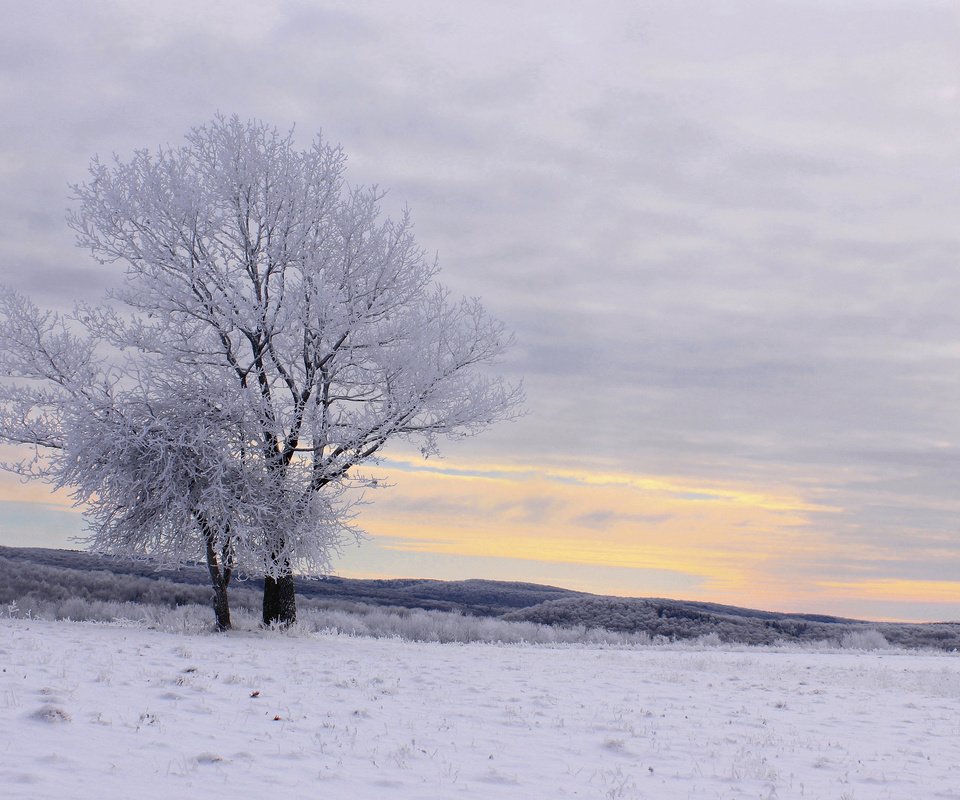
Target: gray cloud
point(531, 509)
point(604, 519)
point(726, 234)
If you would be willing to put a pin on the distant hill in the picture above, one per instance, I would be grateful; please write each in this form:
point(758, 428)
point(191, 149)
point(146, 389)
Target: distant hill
point(477, 597)
point(60, 574)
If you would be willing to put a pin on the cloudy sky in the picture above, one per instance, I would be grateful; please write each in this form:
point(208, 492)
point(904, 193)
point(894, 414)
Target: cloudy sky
point(726, 235)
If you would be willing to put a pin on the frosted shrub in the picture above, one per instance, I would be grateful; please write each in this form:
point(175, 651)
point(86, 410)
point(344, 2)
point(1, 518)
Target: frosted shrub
point(342, 622)
point(709, 640)
point(417, 625)
point(190, 618)
point(870, 639)
point(77, 608)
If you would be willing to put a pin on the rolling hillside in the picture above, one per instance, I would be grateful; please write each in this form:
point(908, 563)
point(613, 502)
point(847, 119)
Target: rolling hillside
point(39, 574)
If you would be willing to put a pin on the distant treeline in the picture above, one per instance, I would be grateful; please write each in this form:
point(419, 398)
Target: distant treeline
point(71, 584)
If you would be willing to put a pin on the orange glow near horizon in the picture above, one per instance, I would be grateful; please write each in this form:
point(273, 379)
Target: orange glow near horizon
point(723, 536)
point(610, 532)
point(13, 490)
point(897, 589)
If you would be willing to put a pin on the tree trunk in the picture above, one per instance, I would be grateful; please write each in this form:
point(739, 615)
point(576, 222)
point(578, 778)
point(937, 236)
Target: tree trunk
point(220, 574)
point(279, 601)
point(221, 605)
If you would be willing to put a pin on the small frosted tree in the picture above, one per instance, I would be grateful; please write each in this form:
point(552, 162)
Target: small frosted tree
point(315, 326)
point(157, 462)
point(144, 477)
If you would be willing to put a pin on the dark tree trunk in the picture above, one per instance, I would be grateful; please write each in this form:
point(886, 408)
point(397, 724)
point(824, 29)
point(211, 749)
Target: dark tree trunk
point(220, 574)
point(221, 605)
point(279, 601)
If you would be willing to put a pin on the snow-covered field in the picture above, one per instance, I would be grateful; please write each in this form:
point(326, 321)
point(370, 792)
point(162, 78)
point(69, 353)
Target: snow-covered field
point(112, 711)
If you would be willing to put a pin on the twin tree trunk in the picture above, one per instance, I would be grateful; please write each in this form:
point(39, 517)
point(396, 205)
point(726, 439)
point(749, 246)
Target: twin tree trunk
point(279, 594)
point(279, 600)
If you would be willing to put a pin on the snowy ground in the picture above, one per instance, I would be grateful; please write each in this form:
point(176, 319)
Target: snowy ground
point(106, 711)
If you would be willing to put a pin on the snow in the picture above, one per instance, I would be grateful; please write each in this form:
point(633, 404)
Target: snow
point(114, 711)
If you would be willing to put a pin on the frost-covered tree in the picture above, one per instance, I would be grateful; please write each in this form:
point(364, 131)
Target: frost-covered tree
point(314, 328)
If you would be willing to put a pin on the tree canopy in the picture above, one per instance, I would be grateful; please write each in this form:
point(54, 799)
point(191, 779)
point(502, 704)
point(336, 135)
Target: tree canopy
point(272, 333)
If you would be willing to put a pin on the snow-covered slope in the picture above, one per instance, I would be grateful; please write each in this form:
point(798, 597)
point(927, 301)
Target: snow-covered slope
point(107, 711)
